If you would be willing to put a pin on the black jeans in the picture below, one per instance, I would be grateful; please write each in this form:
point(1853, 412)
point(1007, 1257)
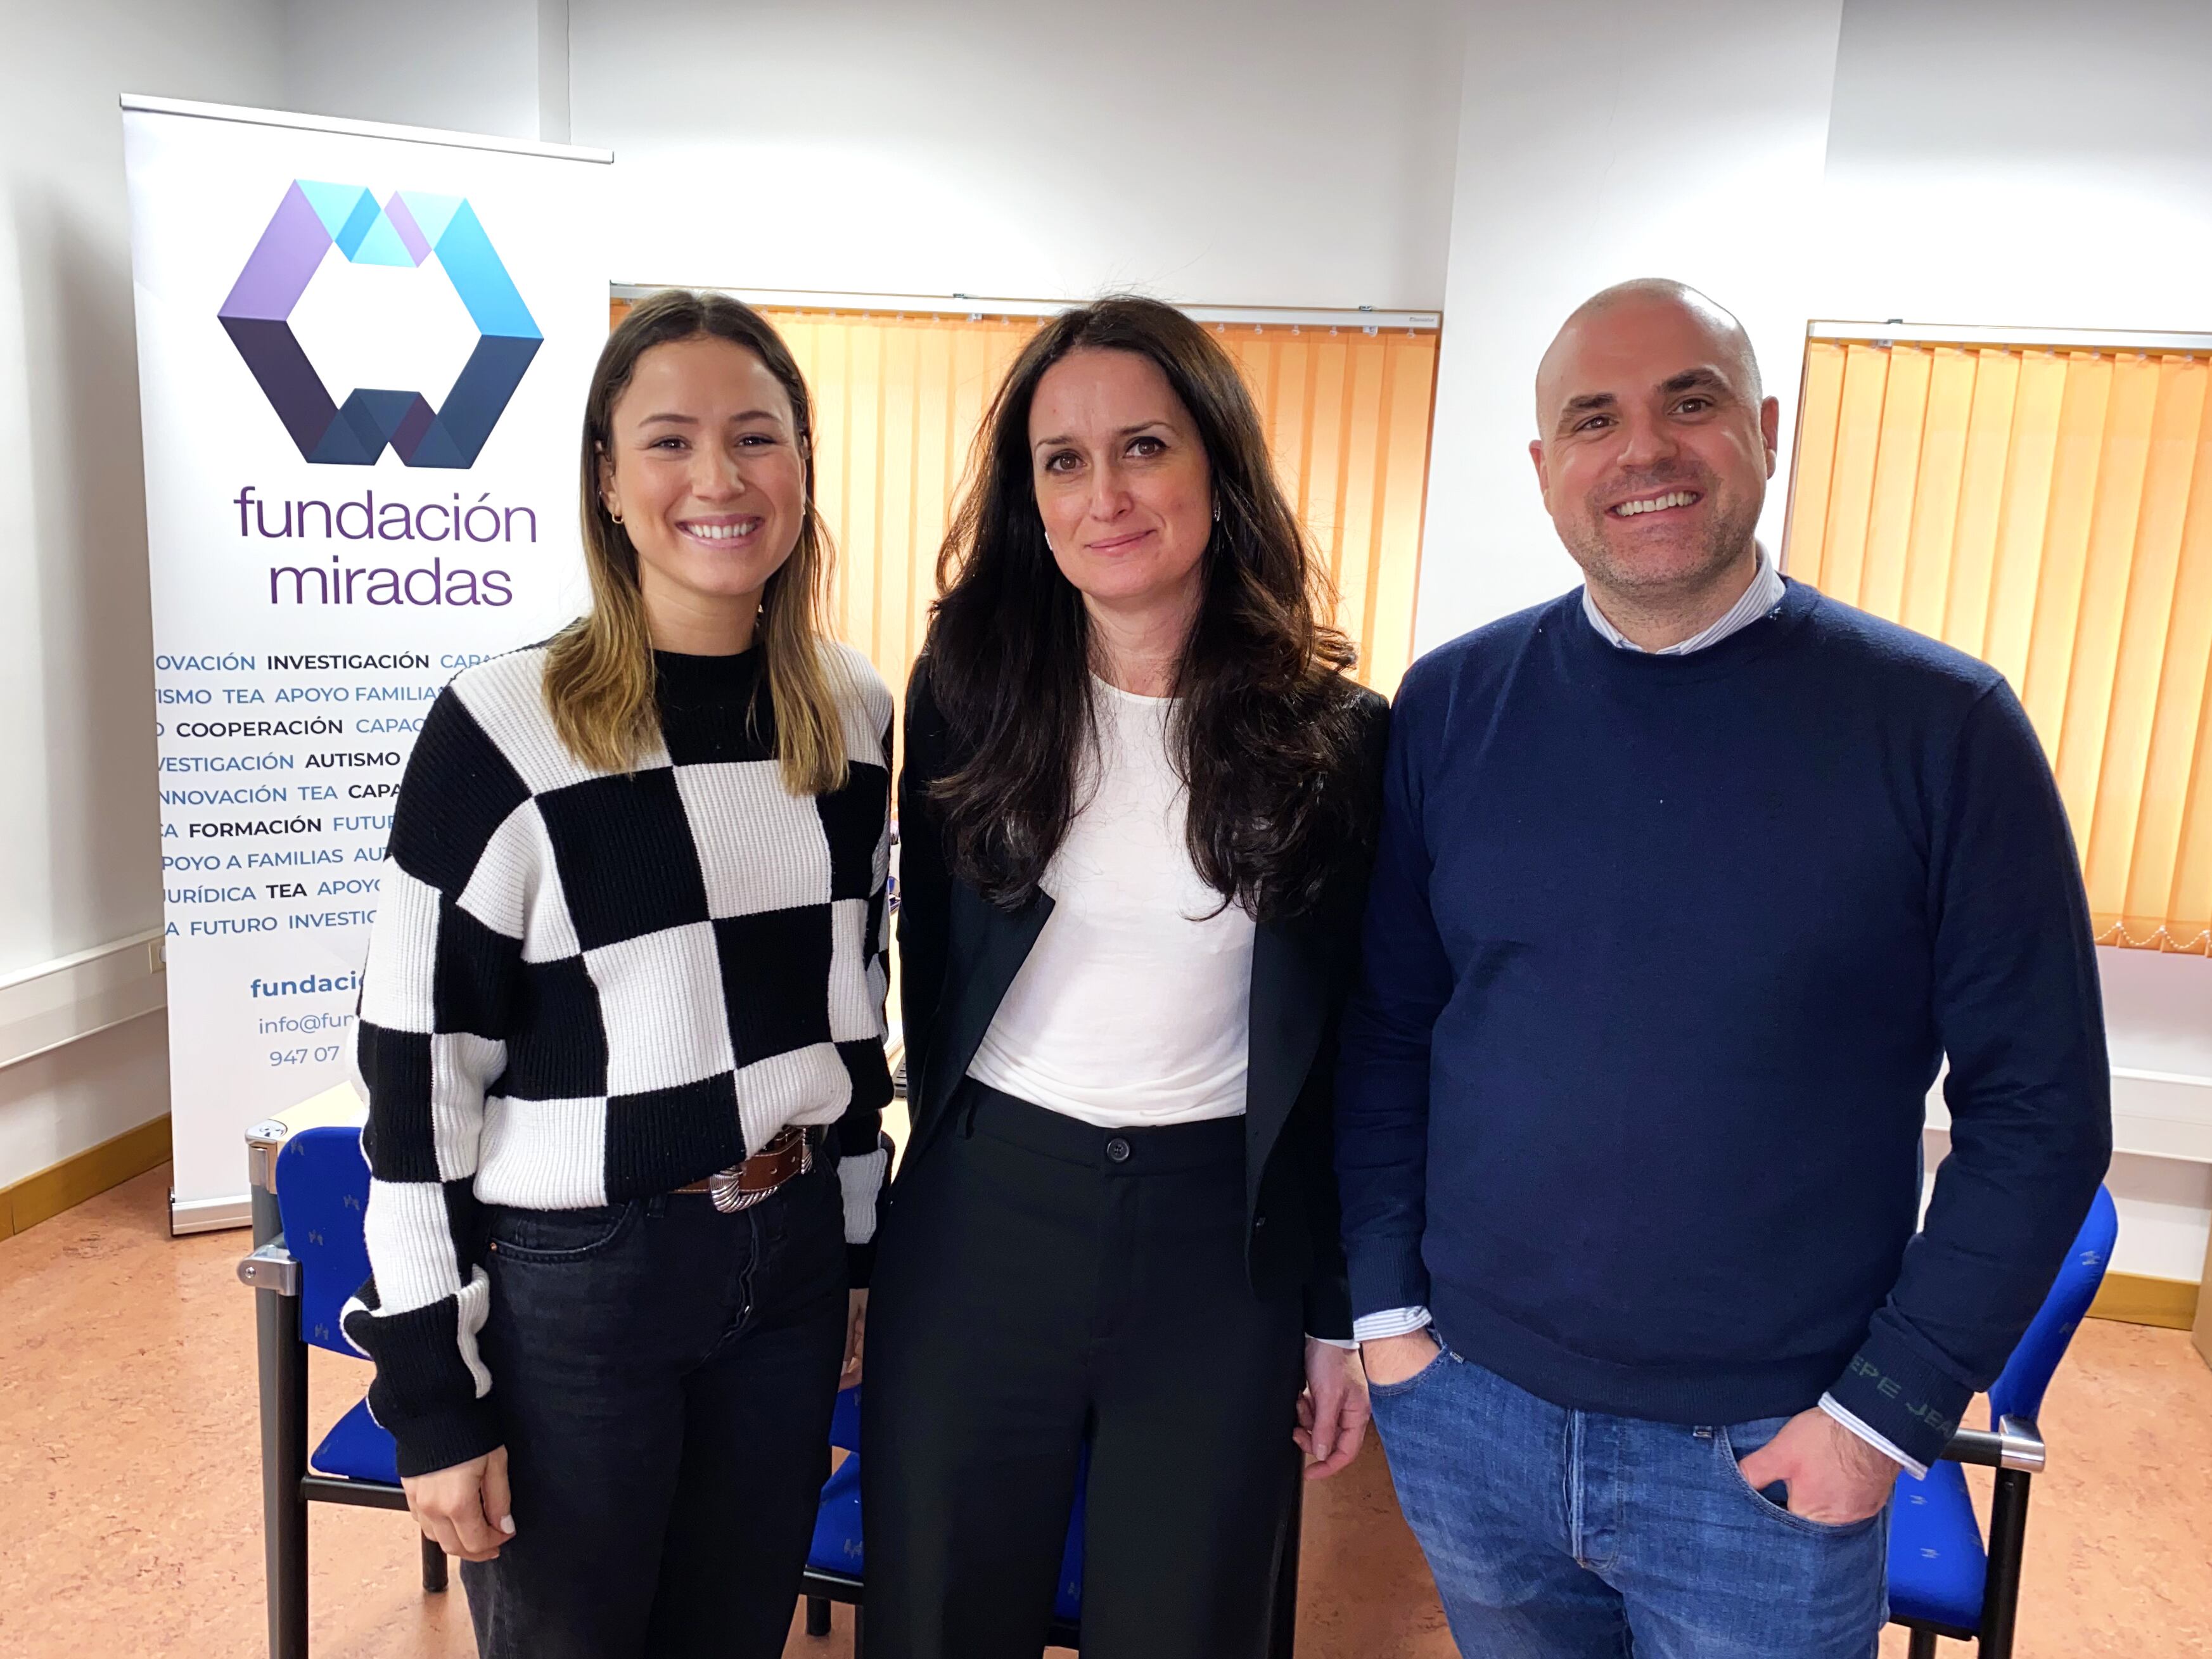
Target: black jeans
point(665, 1374)
point(1042, 1281)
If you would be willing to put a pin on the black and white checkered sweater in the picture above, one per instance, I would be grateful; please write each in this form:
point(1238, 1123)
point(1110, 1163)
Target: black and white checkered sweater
point(586, 988)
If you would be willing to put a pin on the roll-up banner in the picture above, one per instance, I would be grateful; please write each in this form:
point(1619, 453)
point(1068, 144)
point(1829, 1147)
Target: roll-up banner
point(362, 356)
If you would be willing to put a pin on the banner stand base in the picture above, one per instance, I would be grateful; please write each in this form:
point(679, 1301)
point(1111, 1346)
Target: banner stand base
point(208, 1215)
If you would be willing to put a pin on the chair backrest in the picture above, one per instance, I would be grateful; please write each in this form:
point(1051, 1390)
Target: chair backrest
point(322, 1192)
point(845, 1420)
point(2018, 1392)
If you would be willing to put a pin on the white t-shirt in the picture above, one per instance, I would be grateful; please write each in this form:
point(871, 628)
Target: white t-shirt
point(1133, 1009)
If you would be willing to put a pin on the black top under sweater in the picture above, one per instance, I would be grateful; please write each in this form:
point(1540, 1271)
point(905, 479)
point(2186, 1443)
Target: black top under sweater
point(586, 988)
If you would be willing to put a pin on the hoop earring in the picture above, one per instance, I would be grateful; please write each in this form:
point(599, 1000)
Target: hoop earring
point(1217, 510)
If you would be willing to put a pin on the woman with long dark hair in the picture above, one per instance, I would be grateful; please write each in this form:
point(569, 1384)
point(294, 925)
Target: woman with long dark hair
point(1136, 812)
point(621, 1035)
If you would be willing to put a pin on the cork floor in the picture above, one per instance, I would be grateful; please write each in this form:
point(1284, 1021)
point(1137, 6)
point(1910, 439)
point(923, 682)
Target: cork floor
point(130, 1508)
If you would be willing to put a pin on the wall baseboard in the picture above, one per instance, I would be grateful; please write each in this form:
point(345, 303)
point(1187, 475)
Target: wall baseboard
point(60, 1186)
point(2143, 1299)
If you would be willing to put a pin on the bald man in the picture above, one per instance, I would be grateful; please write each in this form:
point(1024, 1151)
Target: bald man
point(1689, 882)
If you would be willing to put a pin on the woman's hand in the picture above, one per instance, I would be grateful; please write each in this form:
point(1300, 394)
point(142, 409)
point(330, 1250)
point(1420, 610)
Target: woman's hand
point(1333, 1411)
point(465, 1510)
point(856, 1333)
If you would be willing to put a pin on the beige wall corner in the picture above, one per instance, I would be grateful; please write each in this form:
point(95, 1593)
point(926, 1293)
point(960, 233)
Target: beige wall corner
point(2201, 1331)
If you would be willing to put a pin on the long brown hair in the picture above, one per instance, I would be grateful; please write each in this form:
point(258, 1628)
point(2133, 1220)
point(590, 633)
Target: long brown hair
point(1265, 734)
point(598, 670)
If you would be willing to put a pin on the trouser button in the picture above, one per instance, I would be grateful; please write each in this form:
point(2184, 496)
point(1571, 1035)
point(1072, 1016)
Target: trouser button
point(1117, 1151)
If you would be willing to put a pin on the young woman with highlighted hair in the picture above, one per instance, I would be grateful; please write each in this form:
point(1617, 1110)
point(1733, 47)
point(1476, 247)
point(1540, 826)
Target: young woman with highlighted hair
point(621, 1035)
point(1136, 813)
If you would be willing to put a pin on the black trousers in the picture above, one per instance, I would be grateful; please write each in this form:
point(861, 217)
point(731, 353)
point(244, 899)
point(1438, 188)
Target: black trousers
point(1042, 1281)
point(665, 1374)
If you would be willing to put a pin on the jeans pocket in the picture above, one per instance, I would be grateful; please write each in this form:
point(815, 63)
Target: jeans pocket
point(1724, 1447)
point(552, 1236)
point(1405, 1386)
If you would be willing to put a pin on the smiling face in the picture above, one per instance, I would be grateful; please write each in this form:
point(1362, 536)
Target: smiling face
point(1121, 481)
point(705, 470)
point(1656, 445)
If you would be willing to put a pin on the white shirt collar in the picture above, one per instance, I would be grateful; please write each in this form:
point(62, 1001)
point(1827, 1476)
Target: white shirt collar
point(1766, 591)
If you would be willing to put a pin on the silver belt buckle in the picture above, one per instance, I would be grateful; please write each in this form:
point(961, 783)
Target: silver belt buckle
point(728, 1195)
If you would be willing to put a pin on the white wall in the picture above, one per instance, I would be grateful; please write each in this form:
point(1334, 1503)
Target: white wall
point(2043, 163)
point(1212, 150)
point(2034, 163)
point(2158, 1018)
point(1688, 144)
point(61, 1102)
point(78, 826)
point(470, 67)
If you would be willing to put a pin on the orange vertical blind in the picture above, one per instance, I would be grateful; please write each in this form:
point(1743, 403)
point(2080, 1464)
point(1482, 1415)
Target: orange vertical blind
point(2049, 510)
point(1346, 410)
point(900, 395)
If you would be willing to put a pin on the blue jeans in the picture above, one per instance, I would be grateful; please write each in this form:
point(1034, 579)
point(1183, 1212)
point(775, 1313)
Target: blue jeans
point(1566, 1534)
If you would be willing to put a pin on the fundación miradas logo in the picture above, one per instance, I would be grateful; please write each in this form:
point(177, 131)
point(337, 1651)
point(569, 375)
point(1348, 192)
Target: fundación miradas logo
point(406, 230)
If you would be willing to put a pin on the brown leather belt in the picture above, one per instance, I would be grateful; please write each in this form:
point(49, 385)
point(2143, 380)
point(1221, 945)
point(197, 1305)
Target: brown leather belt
point(791, 1153)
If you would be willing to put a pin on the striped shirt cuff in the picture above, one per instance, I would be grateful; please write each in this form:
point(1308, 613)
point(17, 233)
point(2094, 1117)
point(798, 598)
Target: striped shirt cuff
point(1390, 1322)
point(1843, 1415)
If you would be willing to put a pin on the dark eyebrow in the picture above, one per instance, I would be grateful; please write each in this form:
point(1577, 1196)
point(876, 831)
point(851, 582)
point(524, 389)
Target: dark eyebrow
point(1589, 403)
point(1126, 432)
point(1690, 379)
point(674, 419)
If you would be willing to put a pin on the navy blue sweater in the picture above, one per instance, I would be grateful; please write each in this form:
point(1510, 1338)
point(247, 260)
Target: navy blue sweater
point(1661, 957)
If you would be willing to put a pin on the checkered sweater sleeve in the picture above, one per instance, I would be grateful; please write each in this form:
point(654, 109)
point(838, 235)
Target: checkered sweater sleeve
point(587, 988)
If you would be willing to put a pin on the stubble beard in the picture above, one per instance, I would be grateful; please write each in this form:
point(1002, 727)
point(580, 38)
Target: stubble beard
point(1728, 534)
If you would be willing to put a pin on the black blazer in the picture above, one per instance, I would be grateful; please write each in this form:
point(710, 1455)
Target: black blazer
point(958, 954)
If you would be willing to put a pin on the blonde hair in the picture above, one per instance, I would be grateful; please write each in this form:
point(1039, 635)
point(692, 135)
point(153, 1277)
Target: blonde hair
point(598, 669)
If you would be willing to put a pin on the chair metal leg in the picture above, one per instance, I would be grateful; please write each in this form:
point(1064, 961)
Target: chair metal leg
point(1922, 1646)
point(284, 1367)
point(2008, 1547)
point(434, 1566)
point(817, 1616)
point(1283, 1625)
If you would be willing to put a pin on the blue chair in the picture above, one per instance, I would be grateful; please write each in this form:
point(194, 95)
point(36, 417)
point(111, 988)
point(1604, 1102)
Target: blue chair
point(1942, 1581)
point(310, 1190)
point(835, 1563)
